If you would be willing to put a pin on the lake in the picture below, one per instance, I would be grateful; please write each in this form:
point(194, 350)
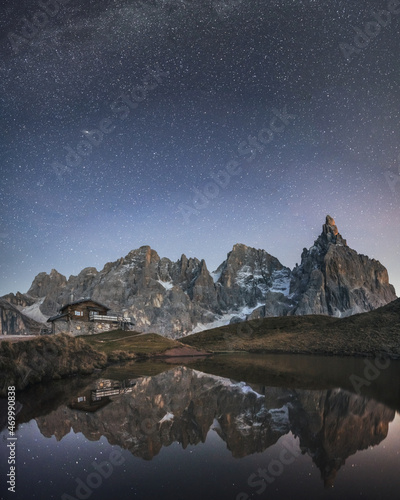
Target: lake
point(232, 427)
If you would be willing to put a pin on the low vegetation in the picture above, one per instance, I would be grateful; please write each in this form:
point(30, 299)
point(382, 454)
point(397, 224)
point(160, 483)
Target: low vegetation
point(46, 358)
point(121, 345)
point(373, 333)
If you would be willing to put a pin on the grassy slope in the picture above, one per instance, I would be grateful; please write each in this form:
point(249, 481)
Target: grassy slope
point(362, 334)
point(45, 358)
point(122, 345)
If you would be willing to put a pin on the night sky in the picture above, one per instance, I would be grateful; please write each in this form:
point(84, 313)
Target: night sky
point(190, 126)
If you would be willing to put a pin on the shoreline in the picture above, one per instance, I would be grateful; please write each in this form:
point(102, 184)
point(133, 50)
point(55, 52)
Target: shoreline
point(24, 376)
point(357, 354)
point(28, 361)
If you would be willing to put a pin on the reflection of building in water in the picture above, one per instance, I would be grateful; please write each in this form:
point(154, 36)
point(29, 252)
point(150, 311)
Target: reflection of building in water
point(95, 399)
point(106, 388)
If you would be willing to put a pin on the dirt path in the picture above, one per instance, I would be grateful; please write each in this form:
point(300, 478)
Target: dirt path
point(17, 338)
point(122, 338)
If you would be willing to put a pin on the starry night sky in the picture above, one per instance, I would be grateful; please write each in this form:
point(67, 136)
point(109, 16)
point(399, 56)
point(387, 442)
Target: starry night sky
point(258, 96)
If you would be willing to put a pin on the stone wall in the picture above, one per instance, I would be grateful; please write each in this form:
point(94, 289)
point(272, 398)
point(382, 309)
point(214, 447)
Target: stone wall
point(81, 328)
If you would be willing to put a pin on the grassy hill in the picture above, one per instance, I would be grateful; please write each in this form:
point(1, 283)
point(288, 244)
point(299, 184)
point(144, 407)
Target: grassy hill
point(45, 358)
point(373, 333)
point(121, 345)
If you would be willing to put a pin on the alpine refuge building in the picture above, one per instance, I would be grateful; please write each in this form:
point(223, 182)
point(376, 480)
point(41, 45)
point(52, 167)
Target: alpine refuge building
point(87, 317)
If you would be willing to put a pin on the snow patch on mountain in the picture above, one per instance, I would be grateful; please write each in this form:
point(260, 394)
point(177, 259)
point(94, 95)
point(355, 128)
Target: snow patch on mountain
point(246, 278)
point(221, 320)
point(280, 419)
point(34, 312)
point(221, 380)
point(168, 285)
point(216, 275)
point(225, 319)
point(246, 311)
point(226, 382)
point(167, 418)
point(246, 389)
point(281, 282)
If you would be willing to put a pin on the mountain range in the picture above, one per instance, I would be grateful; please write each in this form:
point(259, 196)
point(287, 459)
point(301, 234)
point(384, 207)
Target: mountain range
point(182, 297)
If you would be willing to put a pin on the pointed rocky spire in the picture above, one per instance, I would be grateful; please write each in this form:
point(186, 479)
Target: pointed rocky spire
point(331, 232)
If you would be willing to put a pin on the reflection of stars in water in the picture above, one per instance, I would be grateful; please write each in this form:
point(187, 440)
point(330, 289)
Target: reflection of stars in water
point(55, 466)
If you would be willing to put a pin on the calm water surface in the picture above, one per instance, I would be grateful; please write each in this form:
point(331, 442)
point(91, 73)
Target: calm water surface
point(234, 427)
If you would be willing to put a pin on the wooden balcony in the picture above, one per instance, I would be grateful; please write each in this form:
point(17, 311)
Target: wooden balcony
point(117, 319)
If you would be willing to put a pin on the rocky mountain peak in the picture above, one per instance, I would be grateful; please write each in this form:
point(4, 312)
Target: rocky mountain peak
point(245, 276)
point(330, 221)
point(334, 279)
point(44, 283)
point(330, 232)
point(203, 267)
point(143, 254)
point(88, 271)
point(239, 247)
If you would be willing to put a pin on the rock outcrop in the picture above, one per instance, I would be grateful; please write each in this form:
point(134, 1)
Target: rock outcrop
point(175, 298)
point(244, 278)
point(333, 279)
point(13, 322)
point(331, 233)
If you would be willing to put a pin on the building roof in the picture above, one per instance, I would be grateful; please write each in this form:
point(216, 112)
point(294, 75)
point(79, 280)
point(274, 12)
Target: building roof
point(56, 317)
point(84, 300)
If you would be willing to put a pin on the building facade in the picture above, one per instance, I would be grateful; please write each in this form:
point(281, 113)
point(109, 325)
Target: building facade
point(87, 317)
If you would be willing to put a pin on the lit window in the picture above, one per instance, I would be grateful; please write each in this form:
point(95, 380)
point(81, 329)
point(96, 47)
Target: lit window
point(78, 313)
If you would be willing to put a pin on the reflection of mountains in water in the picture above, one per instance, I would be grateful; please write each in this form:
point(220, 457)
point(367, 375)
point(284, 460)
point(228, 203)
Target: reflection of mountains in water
point(181, 405)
